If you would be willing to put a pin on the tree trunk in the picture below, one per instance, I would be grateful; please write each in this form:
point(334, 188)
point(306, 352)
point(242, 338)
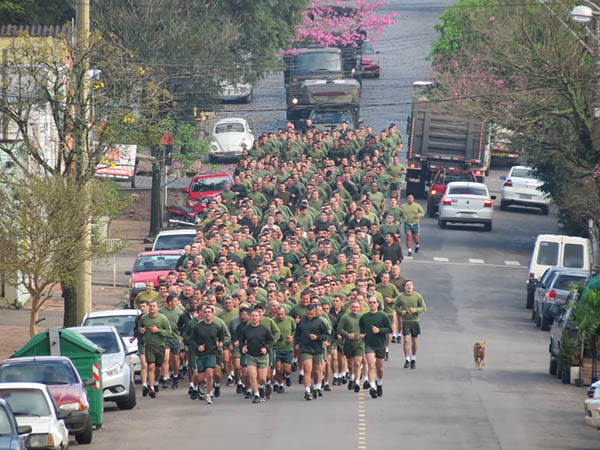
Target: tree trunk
point(70, 314)
point(33, 316)
point(155, 203)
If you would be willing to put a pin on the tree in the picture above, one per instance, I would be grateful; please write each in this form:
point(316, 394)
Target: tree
point(42, 227)
point(523, 70)
point(36, 12)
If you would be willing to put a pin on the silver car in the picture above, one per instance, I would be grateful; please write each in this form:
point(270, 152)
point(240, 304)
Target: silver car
point(466, 203)
point(522, 188)
point(117, 374)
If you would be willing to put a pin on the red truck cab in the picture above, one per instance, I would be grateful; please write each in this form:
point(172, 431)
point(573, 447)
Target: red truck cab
point(204, 187)
point(439, 182)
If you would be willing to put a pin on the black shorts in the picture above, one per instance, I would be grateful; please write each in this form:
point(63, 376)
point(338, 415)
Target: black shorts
point(155, 355)
point(379, 352)
point(411, 328)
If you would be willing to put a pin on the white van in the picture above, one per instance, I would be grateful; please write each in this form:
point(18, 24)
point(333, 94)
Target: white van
point(555, 250)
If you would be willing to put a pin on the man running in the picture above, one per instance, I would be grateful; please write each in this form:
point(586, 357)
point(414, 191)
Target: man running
point(374, 329)
point(409, 305)
point(309, 337)
point(255, 340)
point(413, 212)
point(283, 350)
point(141, 350)
point(173, 343)
point(354, 346)
point(155, 328)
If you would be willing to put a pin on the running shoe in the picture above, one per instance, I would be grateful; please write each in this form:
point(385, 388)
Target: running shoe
point(194, 394)
point(320, 392)
point(335, 381)
point(190, 390)
point(248, 394)
point(288, 381)
point(366, 384)
point(413, 364)
point(294, 366)
point(307, 396)
point(373, 393)
point(379, 390)
point(281, 389)
point(315, 393)
point(261, 391)
point(356, 387)
point(209, 400)
point(165, 383)
point(217, 391)
point(300, 378)
point(256, 399)
point(393, 339)
point(417, 249)
point(268, 391)
point(156, 389)
point(175, 383)
point(145, 391)
point(387, 356)
point(326, 388)
point(151, 393)
point(344, 379)
point(409, 252)
point(407, 364)
point(229, 380)
point(350, 385)
point(239, 389)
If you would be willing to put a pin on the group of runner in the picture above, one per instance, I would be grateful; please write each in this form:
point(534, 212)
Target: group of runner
point(294, 267)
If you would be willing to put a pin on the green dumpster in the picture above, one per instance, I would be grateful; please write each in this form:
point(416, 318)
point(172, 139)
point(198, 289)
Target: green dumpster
point(86, 357)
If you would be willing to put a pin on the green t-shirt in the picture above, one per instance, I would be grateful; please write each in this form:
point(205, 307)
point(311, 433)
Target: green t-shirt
point(380, 320)
point(412, 211)
point(144, 296)
point(405, 302)
point(287, 326)
point(389, 291)
point(164, 330)
point(173, 317)
point(349, 324)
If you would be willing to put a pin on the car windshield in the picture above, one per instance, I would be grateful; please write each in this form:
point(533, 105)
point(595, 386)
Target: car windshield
point(467, 190)
point(367, 48)
point(45, 372)
point(318, 62)
point(151, 263)
point(548, 254)
point(26, 402)
point(210, 184)
point(573, 257)
point(330, 117)
point(5, 423)
point(449, 177)
point(229, 128)
point(564, 282)
point(521, 172)
point(106, 340)
point(123, 324)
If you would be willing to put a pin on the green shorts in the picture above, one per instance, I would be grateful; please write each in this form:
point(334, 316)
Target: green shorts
point(379, 352)
point(174, 345)
point(352, 351)
point(411, 227)
point(155, 355)
point(395, 185)
point(236, 352)
point(220, 356)
point(244, 360)
point(411, 328)
point(260, 362)
point(206, 362)
point(316, 359)
point(329, 350)
point(141, 348)
point(284, 356)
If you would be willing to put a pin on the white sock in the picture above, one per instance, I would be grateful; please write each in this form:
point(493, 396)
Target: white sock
point(301, 372)
point(412, 357)
point(318, 386)
point(387, 349)
point(260, 386)
point(408, 358)
point(379, 381)
point(192, 385)
point(256, 394)
point(352, 377)
point(217, 384)
point(307, 389)
point(372, 385)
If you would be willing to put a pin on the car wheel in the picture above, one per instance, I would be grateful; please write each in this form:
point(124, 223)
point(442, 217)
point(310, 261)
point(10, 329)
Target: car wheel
point(130, 402)
point(533, 314)
point(503, 205)
point(545, 323)
point(376, 74)
point(487, 226)
point(565, 375)
point(442, 223)
point(431, 210)
point(133, 182)
point(248, 98)
point(529, 303)
point(211, 159)
point(538, 320)
point(545, 210)
point(553, 367)
point(85, 437)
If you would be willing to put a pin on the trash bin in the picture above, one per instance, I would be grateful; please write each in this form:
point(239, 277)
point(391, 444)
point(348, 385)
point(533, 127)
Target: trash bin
point(86, 357)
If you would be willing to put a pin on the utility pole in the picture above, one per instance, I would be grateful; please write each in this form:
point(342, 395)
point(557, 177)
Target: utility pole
point(83, 286)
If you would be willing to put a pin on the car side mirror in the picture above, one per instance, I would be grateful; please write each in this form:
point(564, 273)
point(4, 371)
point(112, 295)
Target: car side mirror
point(493, 197)
point(63, 414)
point(503, 177)
point(185, 190)
point(128, 272)
point(89, 382)
point(24, 429)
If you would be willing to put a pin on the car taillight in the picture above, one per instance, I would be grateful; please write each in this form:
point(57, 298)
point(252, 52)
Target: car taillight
point(478, 172)
point(294, 79)
point(551, 296)
point(412, 166)
point(433, 193)
point(508, 183)
point(487, 204)
point(446, 201)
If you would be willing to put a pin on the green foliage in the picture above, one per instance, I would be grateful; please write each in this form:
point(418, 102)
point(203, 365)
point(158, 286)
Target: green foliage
point(586, 313)
point(36, 12)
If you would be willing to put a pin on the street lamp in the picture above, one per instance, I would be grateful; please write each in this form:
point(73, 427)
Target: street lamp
point(585, 13)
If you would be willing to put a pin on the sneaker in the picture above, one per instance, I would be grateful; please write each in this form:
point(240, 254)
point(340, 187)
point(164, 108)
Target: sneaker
point(307, 396)
point(387, 356)
point(276, 388)
point(288, 381)
point(152, 393)
point(256, 399)
point(366, 384)
point(327, 388)
point(300, 378)
point(344, 379)
point(248, 394)
point(393, 339)
point(373, 393)
point(175, 383)
point(413, 364)
point(268, 391)
point(407, 364)
point(201, 394)
point(417, 249)
point(320, 392)
point(145, 390)
point(229, 380)
point(281, 390)
point(356, 387)
point(315, 393)
point(261, 391)
point(165, 383)
point(409, 252)
point(209, 399)
point(350, 385)
point(194, 394)
point(190, 390)
point(217, 391)
point(379, 390)
point(156, 387)
point(294, 366)
point(239, 389)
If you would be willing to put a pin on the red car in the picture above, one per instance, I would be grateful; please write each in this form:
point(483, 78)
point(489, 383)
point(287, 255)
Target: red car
point(149, 266)
point(204, 187)
point(64, 383)
point(369, 60)
point(440, 181)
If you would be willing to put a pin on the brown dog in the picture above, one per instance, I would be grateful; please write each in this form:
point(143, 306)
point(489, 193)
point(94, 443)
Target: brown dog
point(479, 354)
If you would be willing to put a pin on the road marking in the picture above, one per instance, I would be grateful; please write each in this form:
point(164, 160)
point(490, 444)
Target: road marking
point(440, 259)
point(429, 261)
point(476, 261)
point(512, 263)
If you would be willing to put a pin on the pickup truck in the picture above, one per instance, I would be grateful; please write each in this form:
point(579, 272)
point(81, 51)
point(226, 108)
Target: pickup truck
point(438, 186)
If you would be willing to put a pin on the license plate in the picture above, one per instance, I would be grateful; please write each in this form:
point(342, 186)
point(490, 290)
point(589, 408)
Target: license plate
point(525, 196)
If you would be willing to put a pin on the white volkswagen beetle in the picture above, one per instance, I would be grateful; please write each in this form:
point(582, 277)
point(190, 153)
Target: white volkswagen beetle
point(230, 137)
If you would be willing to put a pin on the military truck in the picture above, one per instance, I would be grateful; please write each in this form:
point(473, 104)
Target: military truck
point(333, 102)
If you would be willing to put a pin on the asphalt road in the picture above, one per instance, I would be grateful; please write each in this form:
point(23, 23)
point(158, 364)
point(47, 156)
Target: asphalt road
point(474, 286)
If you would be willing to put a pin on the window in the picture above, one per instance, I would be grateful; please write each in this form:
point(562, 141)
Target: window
point(123, 324)
point(319, 62)
point(229, 128)
point(468, 190)
point(26, 402)
point(564, 282)
point(573, 256)
point(210, 184)
point(548, 254)
point(522, 173)
point(161, 262)
point(45, 372)
point(331, 117)
point(106, 340)
point(5, 424)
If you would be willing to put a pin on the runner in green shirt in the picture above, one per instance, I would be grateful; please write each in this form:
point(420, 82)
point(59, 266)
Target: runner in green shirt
point(375, 327)
point(413, 212)
point(409, 305)
point(354, 347)
point(284, 349)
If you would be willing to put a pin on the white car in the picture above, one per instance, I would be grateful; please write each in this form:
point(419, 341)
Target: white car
point(466, 202)
point(521, 188)
point(117, 376)
point(33, 406)
point(230, 137)
point(124, 321)
point(236, 92)
point(592, 406)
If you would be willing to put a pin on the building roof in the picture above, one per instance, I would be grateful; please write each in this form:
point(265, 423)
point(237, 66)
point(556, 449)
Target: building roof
point(34, 30)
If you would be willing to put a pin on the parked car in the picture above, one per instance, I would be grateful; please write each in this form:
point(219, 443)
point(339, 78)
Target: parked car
point(203, 187)
point(467, 203)
point(124, 321)
point(554, 292)
point(117, 375)
point(236, 92)
point(369, 62)
point(522, 188)
point(592, 406)
point(554, 250)
point(64, 383)
point(439, 183)
point(33, 406)
point(173, 239)
point(149, 266)
point(230, 137)
point(563, 326)
point(11, 434)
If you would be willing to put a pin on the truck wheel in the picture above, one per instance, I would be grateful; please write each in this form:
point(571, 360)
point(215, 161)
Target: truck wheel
point(553, 367)
point(538, 320)
point(503, 205)
point(545, 210)
point(442, 223)
point(430, 210)
point(487, 226)
point(545, 324)
point(529, 303)
point(133, 182)
point(565, 375)
point(129, 402)
point(85, 437)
